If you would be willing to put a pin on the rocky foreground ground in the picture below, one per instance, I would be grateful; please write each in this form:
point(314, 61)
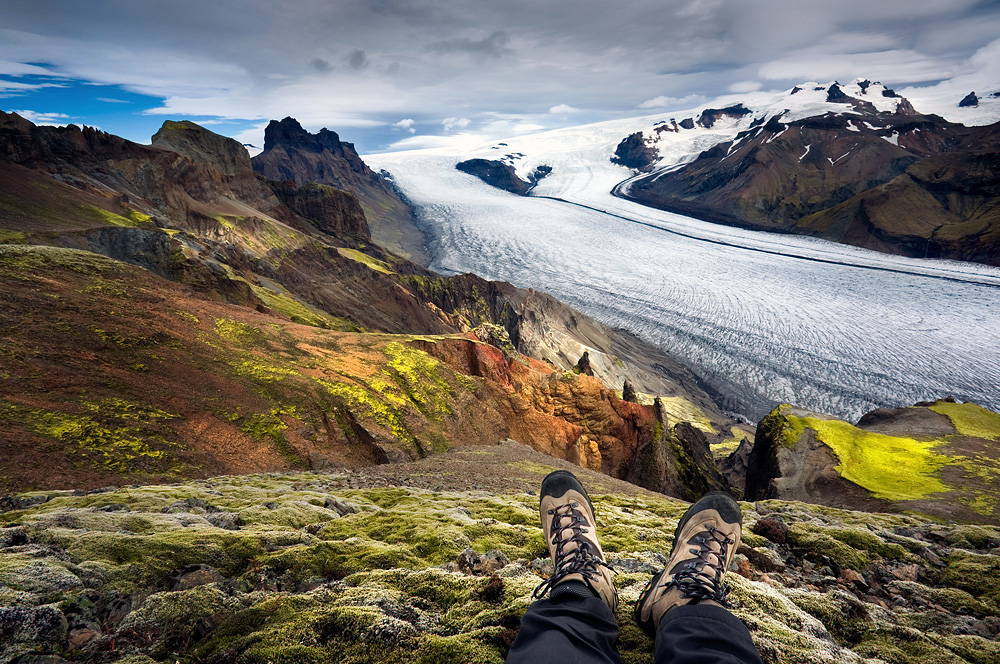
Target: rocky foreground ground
point(435, 560)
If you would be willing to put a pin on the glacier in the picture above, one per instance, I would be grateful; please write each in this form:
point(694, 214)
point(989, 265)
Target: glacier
point(761, 318)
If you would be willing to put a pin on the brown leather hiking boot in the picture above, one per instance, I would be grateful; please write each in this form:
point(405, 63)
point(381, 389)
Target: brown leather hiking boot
point(705, 542)
point(568, 521)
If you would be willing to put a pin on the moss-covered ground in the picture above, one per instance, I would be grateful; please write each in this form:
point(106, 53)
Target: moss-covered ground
point(339, 567)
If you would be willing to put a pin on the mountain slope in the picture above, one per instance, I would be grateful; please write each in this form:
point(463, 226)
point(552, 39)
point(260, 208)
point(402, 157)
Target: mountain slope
point(279, 357)
point(293, 154)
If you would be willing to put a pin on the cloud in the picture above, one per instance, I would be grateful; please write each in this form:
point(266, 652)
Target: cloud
point(451, 124)
point(109, 100)
point(744, 86)
point(563, 109)
point(407, 124)
point(357, 59)
point(321, 65)
point(442, 58)
point(672, 102)
point(493, 46)
point(25, 87)
point(49, 119)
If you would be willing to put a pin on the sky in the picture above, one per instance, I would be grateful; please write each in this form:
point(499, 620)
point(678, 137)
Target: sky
point(403, 74)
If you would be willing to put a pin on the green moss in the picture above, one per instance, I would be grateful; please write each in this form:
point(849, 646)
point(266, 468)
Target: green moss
point(123, 436)
point(301, 313)
point(134, 219)
point(970, 419)
point(240, 334)
point(417, 375)
point(893, 468)
point(365, 259)
point(680, 409)
point(188, 316)
point(816, 544)
point(8, 236)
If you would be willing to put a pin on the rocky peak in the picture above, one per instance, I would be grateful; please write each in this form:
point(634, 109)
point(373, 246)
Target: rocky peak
point(969, 100)
point(203, 146)
point(290, 134)
point(836, 95)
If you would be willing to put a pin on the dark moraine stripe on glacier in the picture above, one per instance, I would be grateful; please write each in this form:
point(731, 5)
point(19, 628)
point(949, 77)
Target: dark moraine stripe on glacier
point(837, 330)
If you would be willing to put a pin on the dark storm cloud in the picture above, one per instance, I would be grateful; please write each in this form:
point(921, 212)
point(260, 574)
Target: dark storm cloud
point(499, 65)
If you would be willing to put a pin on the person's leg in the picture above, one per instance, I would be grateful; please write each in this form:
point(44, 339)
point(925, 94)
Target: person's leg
point(683, 607)
point(577, 623)
point(703, 634)
point(574, 627)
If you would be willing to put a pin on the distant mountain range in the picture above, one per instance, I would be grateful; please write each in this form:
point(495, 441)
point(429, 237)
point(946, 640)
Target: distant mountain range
point(852, 163)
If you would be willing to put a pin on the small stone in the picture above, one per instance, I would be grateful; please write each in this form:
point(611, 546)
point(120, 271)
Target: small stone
point(196, 575)
point(342, 508)
point(225, 520)
point(773, 529)
point(80, 637)
point(907, 572)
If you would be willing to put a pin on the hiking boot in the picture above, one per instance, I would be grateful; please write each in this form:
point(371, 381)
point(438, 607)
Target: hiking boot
point(705, 542)
point(569, 525)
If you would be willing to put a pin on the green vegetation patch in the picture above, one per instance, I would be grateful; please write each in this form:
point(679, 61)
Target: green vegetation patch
point(680, 409)
point(970, 419)
point(365, 259)
point(121, 435)
point(891, 467)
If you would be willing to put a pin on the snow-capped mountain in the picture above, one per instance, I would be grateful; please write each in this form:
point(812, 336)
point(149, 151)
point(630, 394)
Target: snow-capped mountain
point(854, 163)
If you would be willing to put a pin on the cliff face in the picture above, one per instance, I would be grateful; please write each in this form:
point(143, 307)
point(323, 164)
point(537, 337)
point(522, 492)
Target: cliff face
point(292, 153)
point(892, 181)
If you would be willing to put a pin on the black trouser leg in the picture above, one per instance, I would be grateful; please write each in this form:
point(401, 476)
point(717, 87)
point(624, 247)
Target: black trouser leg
point(703, 634)
point(568, 628)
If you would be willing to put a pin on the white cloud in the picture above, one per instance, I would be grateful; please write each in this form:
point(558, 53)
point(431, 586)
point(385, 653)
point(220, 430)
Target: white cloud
point(451, 124)
point(672, 102)
point(109, 100)
point(744, 86)
point(563, 109)
point(17, 86)
point(525, 127)
point(407, 124)
point(48, 119)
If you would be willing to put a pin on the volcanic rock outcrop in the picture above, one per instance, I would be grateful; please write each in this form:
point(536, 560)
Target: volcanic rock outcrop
point(292, 153)
point(633, 152)
point(502, 174)
point(939, 458)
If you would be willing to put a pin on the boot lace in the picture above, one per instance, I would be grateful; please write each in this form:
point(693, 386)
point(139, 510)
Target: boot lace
point(701, 578)
point(583, 560)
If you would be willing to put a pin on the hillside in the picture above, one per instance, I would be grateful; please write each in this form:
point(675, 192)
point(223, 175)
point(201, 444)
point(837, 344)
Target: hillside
point(274, 340)
point(435, 560)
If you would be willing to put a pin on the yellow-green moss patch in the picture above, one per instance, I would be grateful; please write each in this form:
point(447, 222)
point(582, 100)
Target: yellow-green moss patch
point(970, 419)
point(890, 467)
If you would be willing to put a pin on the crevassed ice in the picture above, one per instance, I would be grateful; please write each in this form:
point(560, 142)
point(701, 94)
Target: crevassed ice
point(762, 318)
